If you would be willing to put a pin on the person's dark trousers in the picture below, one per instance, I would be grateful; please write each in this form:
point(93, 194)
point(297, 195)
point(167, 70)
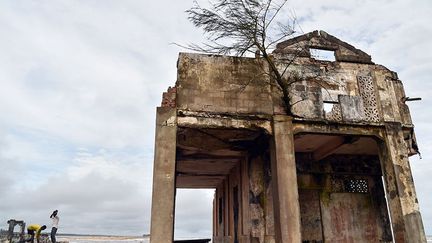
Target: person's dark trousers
point(32, 235)
point(53, 234)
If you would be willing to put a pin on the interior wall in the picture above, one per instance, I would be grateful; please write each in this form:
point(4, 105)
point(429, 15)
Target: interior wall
point(243, 207)
point(342, 199)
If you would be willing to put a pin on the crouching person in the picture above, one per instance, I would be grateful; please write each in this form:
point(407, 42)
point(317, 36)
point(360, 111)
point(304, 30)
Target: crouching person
point(35, 230)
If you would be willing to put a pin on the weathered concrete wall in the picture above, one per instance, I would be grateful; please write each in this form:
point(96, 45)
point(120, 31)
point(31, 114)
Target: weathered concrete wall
point(261, 199)
point(222, 84)
point(224, 105)
point(376, 94)
point(310, 211)
point(163, 197)
point(342, 199)
point(344, 52)
point(251, 182)
point(402, 198)
point(219, 84)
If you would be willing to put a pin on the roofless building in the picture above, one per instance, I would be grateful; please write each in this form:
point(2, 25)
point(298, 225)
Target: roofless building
point(336, 170)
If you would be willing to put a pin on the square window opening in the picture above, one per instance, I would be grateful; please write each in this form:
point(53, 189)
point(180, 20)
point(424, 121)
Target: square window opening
point(322, 55)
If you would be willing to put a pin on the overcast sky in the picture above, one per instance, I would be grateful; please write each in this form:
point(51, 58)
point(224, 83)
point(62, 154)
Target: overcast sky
point(80, 81)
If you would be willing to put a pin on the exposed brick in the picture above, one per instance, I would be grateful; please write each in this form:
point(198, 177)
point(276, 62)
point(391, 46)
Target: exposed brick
point(169, 97)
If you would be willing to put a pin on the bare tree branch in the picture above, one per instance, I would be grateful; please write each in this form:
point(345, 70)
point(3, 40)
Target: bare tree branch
point(245, 26)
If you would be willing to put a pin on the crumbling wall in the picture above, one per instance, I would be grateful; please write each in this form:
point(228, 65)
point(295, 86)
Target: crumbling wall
point(342, 92)
point(341, 196)
point(250, 217)
point(261, 200)
point(342, 199)
point(169, 98)
point(300, 47)
point(357, 93)
point(221, 84)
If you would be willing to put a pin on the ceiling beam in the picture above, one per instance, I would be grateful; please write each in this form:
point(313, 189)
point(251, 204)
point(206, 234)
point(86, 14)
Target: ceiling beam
point(206, 166)
point(328, 148)
point(191, 151)
point(198, 181)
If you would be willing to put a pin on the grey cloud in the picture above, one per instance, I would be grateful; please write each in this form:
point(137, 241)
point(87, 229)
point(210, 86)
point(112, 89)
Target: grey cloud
point(91, 204)
point(10, 168)
point(9, 173)
point(88, 76)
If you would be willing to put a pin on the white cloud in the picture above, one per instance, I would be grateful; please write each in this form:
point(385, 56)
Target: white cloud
point(194, 213)
point(80, 81)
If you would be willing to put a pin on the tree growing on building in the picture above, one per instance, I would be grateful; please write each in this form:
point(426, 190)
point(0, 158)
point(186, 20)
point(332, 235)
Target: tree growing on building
point(240, 27)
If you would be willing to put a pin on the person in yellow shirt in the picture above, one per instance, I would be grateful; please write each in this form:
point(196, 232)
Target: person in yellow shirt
point(35, 229)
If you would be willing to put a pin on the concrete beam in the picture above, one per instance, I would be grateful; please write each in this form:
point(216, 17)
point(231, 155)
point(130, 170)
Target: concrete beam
point(328, 148)
point(284, 180)
point(163, 199)
point(224, 122)
point(198, 181)
point(337, 129)
point(401, 195)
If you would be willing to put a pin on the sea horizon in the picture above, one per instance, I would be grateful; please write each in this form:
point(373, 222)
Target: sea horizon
point(82, 238)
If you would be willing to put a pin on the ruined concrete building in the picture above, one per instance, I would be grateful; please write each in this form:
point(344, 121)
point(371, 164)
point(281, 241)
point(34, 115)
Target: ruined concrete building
point(337, 170)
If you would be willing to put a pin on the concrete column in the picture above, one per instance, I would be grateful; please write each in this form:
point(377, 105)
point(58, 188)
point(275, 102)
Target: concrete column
point(163, 199)
point(284, 179)
point(401, 196)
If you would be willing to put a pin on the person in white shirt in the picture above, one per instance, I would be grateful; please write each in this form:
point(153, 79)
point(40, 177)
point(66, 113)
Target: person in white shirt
point(55, 221)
